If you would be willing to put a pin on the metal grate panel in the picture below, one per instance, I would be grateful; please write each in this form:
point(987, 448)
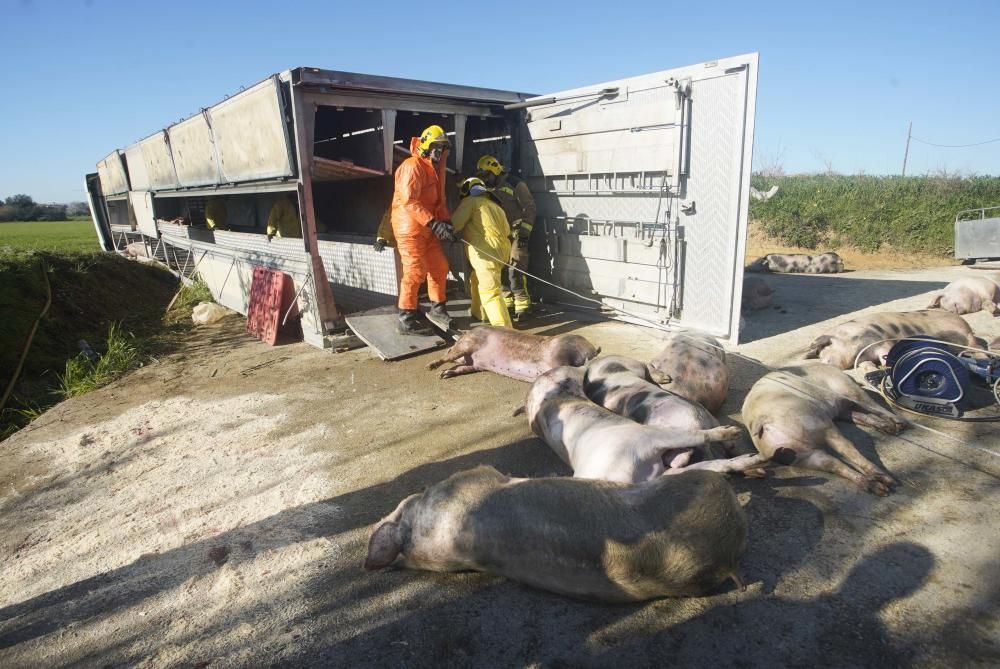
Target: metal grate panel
point(361, 278)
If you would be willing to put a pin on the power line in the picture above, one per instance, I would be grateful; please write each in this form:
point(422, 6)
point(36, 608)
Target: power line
point(953, 146)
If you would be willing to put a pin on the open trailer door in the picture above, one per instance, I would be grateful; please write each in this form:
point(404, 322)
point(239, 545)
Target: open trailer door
point(642, 188)
point(98, 211)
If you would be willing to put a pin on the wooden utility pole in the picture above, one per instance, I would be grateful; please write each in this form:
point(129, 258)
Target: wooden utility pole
point(909, 133)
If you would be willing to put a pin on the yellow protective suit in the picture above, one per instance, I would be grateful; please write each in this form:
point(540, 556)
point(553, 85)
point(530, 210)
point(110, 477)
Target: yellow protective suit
point(216, 215)
point(283, 221)
point(482, 223)
point(385, 232)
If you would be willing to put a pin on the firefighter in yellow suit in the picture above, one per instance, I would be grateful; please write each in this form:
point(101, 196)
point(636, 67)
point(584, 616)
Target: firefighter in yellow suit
point(216, 214)
point(519, 206)
point(283, 220)
point(481, 222)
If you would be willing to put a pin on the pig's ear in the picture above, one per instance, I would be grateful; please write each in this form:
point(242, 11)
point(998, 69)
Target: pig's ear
point(818, 345)
point(384, 546)
point(936, 302)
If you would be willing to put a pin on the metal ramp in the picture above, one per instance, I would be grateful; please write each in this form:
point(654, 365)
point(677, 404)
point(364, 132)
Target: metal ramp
point(377, 328)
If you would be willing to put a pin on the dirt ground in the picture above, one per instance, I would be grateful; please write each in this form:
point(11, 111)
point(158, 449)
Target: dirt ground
point(759, 244)
point(213, 508)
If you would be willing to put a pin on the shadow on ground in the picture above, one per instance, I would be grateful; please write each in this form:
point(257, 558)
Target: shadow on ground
point(106, 593)
point(409, 618)
point(804, 299)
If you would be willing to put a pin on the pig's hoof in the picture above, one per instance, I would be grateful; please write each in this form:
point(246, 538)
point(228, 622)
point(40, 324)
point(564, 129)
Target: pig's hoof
point(447, 374)
point(884, 479)
point(877, 487)
point(726, 433)
point(759, 473)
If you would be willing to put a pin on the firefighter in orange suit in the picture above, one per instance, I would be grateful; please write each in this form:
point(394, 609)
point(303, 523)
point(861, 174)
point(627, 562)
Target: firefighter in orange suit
point(420, 221)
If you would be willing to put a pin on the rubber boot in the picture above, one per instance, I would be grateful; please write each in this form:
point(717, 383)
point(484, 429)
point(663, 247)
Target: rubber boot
point(496, 312)
point(410, 323)
point(438, 315)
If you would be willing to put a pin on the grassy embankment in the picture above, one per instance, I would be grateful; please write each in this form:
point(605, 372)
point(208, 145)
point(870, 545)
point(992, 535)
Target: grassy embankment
point(905, 214)
point(115, 305)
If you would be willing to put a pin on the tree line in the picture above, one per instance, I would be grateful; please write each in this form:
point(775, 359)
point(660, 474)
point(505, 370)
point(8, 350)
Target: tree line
point(24, 208)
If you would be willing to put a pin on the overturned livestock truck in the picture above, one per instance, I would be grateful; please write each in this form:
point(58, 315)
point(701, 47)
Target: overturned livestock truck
point(641, 186)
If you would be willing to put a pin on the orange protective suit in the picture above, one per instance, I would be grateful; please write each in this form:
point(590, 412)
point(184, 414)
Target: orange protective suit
point(418, 200)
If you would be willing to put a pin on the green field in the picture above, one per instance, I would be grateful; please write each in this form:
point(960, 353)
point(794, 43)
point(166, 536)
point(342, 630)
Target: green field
point(49, 236)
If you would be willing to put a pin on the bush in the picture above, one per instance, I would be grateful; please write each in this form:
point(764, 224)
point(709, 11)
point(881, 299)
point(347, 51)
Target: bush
point(24, 208)
point(50, 212)
point(21, 208)
point(78, 209)
point(911, 214)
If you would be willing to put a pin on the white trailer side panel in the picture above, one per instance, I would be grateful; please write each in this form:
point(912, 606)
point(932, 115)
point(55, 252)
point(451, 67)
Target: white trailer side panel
point(194, 152)
point(159, 163)
point(111, 172)
point(250, 134)
point(137, 175)
point(142, 207)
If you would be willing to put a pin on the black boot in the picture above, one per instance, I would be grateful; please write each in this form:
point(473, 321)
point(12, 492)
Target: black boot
point(438, 315)
point(410, 323)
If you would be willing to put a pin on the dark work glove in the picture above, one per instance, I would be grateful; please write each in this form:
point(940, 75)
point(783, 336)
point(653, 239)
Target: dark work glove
point(379, 245)
point(443, 230)
point(521, 230)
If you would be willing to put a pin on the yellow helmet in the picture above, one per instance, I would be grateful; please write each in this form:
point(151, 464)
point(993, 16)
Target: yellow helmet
point(433, 134)
point(490, 164)
point(472, 185)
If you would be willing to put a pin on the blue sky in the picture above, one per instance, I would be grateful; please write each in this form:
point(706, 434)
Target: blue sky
point(838, 84)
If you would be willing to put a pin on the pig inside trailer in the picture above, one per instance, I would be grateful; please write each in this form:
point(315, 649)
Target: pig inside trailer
point(641, 186)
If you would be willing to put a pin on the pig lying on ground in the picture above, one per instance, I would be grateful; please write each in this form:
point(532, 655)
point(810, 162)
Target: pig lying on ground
point(968, 295)
point(670, 537)
point(790, 416)
point(841, 345)
point(624, 386)
point(693, 365)
point(599, 444)
point(827, 263)
point(136, 250)
point(756, 293)
point(519, 355)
